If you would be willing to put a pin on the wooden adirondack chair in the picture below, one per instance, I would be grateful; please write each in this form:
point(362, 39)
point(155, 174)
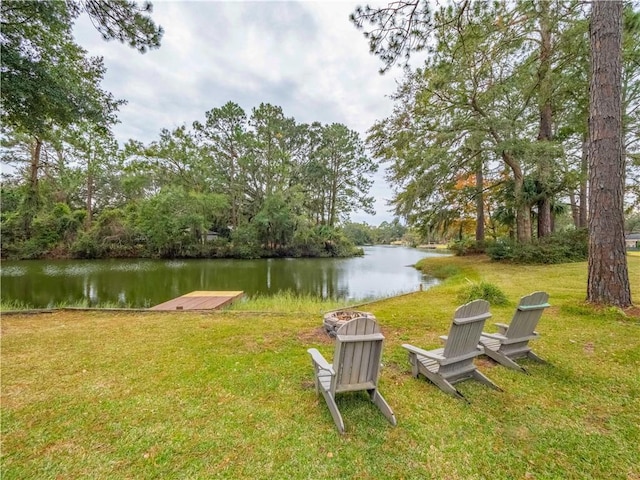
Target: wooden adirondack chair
point(454, 363)
point(512, 341)
point(356, 366)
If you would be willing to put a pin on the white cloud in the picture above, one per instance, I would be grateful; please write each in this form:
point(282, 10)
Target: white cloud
point(306, 57)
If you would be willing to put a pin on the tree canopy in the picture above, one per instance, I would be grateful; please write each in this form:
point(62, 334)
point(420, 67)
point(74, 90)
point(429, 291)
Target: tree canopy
point(47, 78)
point(493, 128)
point(237, 184)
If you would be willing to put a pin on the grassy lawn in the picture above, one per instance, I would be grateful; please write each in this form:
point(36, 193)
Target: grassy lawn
point(230, 395)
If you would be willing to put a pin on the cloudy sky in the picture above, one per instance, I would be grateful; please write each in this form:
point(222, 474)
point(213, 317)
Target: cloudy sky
point(305, 57)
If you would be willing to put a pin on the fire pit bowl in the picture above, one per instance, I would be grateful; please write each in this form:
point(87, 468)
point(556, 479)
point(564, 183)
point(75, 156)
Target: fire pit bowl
point(332, 321)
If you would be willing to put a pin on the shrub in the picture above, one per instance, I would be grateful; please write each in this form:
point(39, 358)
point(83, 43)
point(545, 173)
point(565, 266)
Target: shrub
point(485, 291)
point(322, 241)
point(560, 247)
point(11, 226)
point(244, 243)
point(502, 249)
point(31, 249)
point(86, 246)
point(466, 246)
point(217, 248)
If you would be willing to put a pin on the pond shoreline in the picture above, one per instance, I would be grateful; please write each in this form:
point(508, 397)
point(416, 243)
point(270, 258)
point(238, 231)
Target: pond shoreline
point(142, 283)
point(228, 310)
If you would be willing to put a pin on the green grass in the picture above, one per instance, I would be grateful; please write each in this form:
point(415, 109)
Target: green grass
point(230, 395)
point(12, 305)
point(17, 305)
point(286, 301)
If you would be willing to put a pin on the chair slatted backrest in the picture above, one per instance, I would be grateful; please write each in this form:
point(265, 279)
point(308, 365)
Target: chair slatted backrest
point(468, 322)
point(357, 355)
point(526, 317)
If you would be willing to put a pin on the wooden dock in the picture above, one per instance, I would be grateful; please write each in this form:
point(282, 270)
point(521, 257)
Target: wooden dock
point(200, 300)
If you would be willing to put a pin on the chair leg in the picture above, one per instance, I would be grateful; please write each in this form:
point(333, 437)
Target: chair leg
point(333, 408)
point(413, 360)
point(483, 379)
point(443, 384)
point(384, 407)
point(503, 360)
point(533, 356)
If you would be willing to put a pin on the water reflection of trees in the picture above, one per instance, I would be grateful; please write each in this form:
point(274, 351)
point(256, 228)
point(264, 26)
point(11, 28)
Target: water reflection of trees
point(143, 283)
point(41, 286)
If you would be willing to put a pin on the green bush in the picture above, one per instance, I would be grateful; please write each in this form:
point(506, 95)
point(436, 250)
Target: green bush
point(11, 226)
point(502, 249)
point(466, 246)
point(86, 246)
point(560, 247)
point(484, 291)
point(31, 249)
point(51, 229)
point(322, 241)
point(217, 248)
point(244, 243)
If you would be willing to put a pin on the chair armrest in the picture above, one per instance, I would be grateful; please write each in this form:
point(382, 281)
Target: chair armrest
point(495, 336)
point(319, 360)
point(526, 338)
point(423, 353)
point(444, 339)
point(503, 327)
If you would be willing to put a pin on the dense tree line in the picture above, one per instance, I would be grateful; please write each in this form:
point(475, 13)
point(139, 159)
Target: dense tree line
point(232, 185)
point(386, 233)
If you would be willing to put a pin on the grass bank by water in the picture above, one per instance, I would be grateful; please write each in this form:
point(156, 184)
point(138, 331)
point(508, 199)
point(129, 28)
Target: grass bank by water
point(285, 301)
point(230, 394)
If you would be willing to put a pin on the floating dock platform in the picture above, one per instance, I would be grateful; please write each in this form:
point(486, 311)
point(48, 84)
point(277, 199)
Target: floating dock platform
point(199, 300)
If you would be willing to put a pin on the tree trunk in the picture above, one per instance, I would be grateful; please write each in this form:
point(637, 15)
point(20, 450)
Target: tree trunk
point(332, 204)
point(545, 132)
point(479, 205)
point(89, 200)
point(32, 203)
point(333, 199)
point(523, 217)
point(34, 167)
point(544, 216)
point(584, 174)
point(233, 189)
point(91, 159)
point(608, 278)
point(575, 210)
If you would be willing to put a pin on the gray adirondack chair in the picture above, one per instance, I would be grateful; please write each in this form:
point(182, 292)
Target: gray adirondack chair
point(356, 366)
point(512, 341)
point(454, 363)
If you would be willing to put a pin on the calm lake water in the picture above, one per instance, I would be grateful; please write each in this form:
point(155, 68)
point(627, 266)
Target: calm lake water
point(382, 272)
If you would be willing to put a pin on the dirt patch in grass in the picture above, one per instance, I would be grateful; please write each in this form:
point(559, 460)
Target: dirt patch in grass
point(317, 335)
point(589, 348)
point(307, 384)
point(632, 312)
point(484, 362)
